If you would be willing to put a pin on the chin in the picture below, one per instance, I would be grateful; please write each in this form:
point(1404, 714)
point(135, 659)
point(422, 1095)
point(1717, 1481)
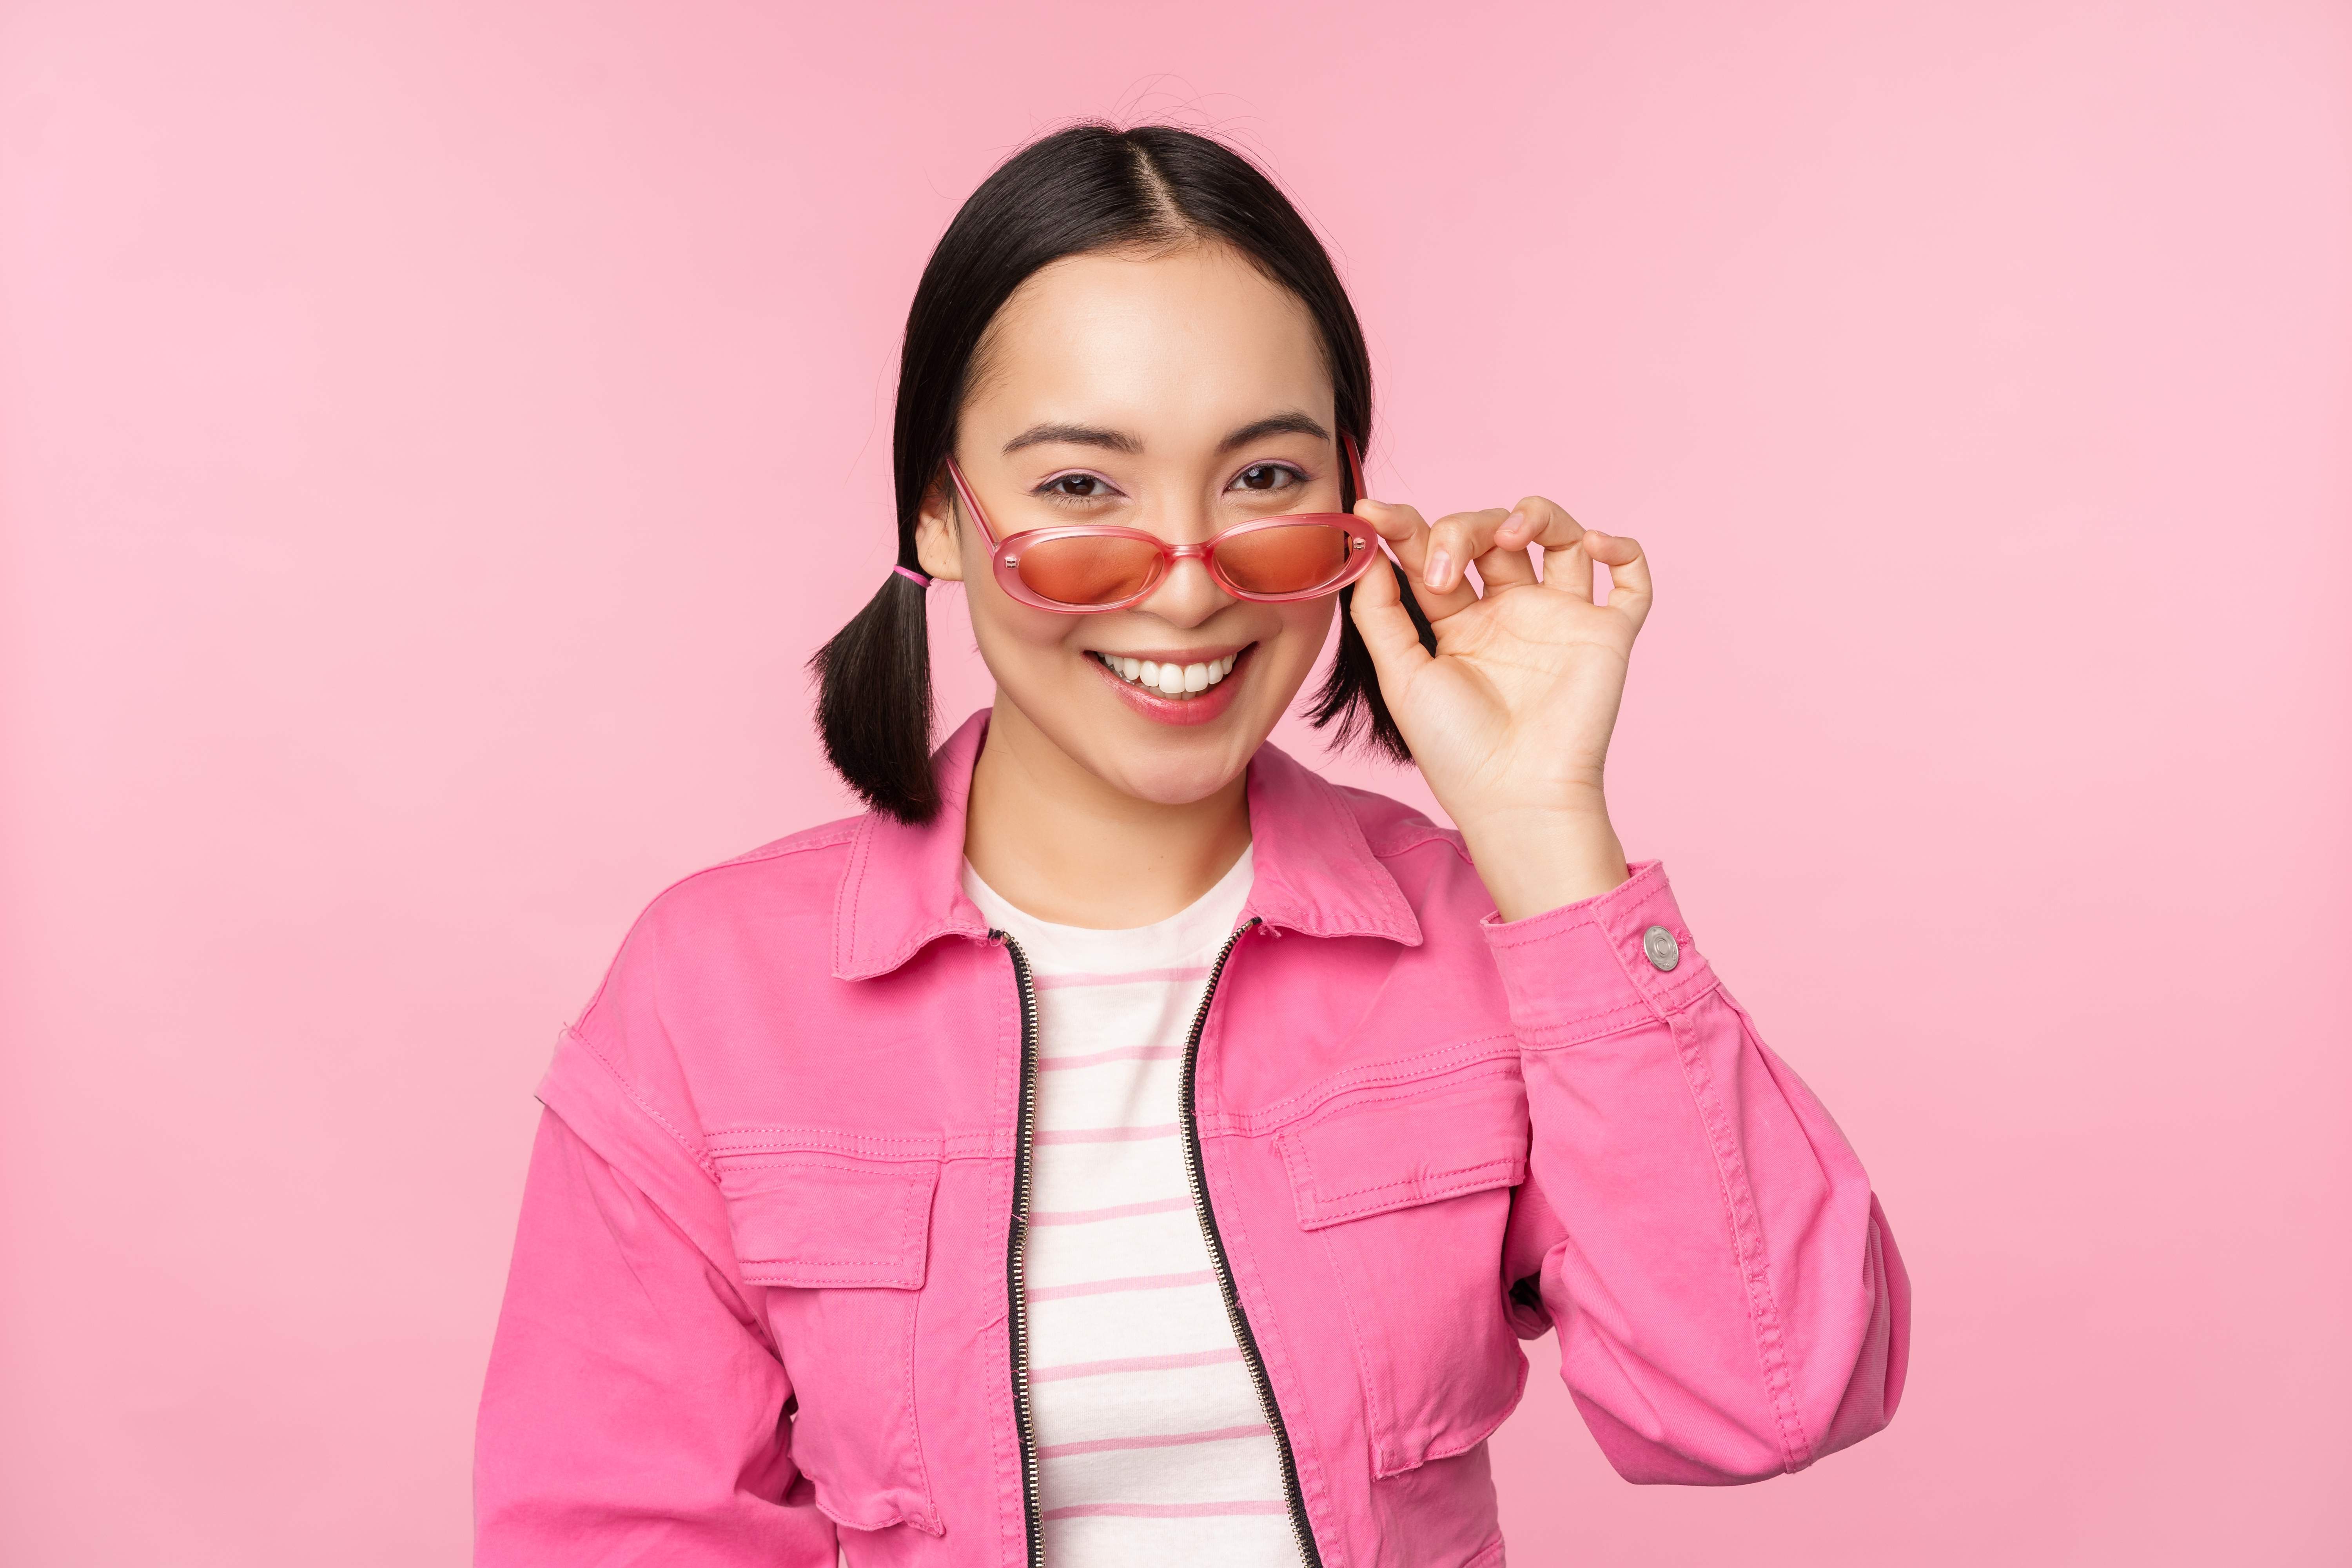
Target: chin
point(1169, 769)
point(1173, 786)
point(1193, 770)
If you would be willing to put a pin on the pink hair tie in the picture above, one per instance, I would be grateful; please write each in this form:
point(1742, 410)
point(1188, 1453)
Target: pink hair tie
point(911, 575)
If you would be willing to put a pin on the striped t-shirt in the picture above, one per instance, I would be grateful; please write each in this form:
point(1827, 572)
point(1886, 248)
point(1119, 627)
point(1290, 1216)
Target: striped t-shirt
point(1153, 1447)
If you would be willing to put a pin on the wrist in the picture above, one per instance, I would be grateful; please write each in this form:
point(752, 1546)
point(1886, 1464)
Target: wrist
point(1535, 860)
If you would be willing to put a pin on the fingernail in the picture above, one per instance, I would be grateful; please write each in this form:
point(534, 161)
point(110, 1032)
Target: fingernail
point(1434, 572)
point(1515, 520)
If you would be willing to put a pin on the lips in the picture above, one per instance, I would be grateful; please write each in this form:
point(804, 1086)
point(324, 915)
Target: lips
point(1220, 679)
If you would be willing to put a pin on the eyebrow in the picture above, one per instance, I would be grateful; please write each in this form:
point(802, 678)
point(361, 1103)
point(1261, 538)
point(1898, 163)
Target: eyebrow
point(1290, 423)
point(1074, 436)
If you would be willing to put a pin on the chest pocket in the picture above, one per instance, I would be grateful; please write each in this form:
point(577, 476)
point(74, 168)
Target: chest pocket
point(840, 1245)
point(1410, 1194)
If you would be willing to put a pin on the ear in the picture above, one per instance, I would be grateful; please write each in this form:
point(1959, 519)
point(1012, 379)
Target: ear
point(937, 537)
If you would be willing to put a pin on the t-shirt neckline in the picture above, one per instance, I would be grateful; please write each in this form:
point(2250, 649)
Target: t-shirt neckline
point(1203, 924)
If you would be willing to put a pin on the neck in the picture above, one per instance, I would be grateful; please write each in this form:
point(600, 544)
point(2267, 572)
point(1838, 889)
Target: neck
point(1060, 844)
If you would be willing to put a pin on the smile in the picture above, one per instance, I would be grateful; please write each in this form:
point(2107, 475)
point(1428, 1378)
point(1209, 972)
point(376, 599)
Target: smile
point(1169, 680)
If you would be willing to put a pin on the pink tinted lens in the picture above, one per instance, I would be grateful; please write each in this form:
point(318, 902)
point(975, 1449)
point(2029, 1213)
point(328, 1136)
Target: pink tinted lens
point(1291, 558)
point(1086, 569)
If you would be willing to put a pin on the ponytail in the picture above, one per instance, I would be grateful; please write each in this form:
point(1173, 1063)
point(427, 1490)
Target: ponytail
point(874, 702)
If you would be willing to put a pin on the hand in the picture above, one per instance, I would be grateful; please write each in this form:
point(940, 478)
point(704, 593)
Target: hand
point(1510, 720)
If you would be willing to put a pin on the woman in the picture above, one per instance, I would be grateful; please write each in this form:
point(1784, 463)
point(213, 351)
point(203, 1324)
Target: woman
point(1120, 1146)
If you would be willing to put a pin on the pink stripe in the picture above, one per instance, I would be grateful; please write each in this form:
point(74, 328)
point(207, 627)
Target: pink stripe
point(1130, 1054)
point(1133, 1363)
point(1116, 1211)
point(1108, 1135)
point(1133, 1283)
point(1157, 1440)
point(1133, 977)
point(1159, 1510)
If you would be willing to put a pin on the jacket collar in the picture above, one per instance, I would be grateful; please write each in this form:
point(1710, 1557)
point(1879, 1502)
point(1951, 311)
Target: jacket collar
point(1313, 871)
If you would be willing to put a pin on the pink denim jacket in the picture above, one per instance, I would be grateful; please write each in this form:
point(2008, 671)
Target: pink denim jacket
point(760, 1303)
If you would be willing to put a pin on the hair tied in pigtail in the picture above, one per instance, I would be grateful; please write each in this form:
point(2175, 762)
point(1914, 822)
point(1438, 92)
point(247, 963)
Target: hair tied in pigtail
point(919, 579)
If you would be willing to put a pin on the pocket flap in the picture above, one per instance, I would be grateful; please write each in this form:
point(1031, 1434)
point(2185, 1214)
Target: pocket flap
point(1371, 1158)
point(819, 1220)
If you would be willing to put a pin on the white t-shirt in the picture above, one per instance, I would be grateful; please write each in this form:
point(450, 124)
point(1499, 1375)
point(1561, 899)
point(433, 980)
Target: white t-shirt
point(1152, 1448)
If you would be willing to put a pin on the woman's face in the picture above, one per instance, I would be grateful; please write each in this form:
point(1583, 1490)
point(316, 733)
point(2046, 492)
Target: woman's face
point(1179, 393)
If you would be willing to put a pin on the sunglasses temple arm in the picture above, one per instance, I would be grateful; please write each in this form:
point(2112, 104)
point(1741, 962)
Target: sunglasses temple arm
point(971, 503)
point(1355, 463)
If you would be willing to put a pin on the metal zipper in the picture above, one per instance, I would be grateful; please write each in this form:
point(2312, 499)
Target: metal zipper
point(1016, 1233)
point(1188, 1113)
point(1015, 1245)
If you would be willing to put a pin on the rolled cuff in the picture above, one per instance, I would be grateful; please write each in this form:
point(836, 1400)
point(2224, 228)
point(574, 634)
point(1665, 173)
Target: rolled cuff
point(1583, 969)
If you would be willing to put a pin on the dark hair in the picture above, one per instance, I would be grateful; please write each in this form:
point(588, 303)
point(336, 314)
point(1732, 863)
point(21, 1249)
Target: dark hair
point(1090, 187)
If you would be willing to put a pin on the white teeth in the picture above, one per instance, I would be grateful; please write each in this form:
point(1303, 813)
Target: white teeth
point(1170, 680)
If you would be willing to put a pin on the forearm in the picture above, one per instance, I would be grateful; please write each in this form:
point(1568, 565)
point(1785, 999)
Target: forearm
point(1730, 1300)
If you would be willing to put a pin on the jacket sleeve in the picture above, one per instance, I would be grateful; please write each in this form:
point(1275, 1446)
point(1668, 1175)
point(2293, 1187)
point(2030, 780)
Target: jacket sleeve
point(634, 1411)
point(1730, 1300)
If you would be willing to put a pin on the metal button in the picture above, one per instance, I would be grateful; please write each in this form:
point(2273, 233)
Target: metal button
point(1663, 950)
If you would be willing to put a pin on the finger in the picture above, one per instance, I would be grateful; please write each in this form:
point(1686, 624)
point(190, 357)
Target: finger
point(1407, 537)
point(1506, 563)
point(1504, 566)
point(1629, 572)
point(1542, 521)
point(1457, 541)
point(1377, 606)
point(1537, 519)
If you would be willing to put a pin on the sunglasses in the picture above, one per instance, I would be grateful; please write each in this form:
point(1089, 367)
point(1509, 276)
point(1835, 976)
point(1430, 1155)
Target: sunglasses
point(1084, 569)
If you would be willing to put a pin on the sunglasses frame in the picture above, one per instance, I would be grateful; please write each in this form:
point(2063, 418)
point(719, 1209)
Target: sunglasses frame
point(1004, 554)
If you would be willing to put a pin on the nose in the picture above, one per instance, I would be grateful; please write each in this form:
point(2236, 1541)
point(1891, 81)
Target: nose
point(1187, 596)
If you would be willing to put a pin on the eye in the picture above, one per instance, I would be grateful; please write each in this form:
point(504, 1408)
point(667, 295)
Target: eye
point(1268, 477)
point(1076, 487)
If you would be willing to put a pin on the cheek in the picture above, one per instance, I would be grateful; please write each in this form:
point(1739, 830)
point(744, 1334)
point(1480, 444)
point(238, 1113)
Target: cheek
point(1304, 627)
point(1015, 639)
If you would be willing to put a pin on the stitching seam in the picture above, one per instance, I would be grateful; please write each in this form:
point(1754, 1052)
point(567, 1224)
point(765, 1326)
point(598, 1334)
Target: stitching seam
point(1396, 1094)
point(1403, 840)
point(736, 1146)
point(1447, 1184)
point(643, 1104)
point(1402, 1069)
point(839, 1273)
point(1600, 1025)
point(1306, 1448)
point(1379, 1418)
point(844, 931)
point(1747, 1239)
point(928, 1520)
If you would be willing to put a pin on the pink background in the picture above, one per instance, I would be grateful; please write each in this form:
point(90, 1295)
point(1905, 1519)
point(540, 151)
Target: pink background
point(432, 436)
